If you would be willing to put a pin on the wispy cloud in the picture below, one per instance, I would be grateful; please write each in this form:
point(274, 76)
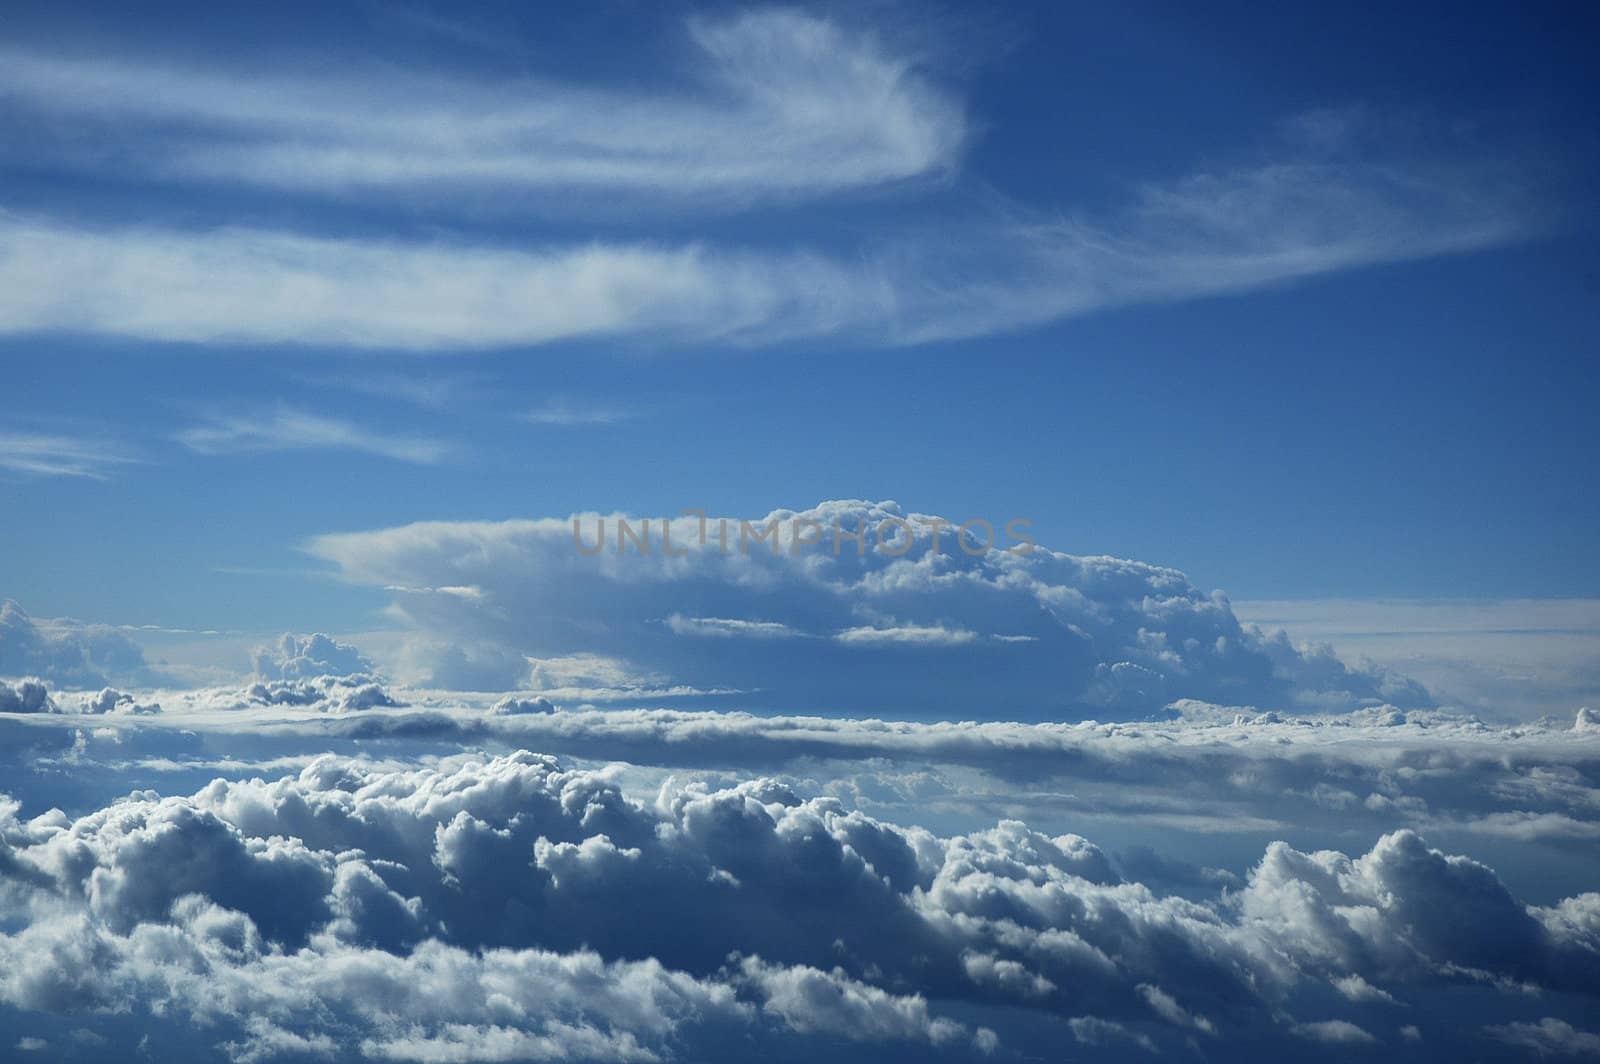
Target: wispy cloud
point(906, 635)
point(56, 455)
point(569, 412)
point(1305, 213)
point(775, 103)
point(287, 429)
point(729, 628)
point(431, 390)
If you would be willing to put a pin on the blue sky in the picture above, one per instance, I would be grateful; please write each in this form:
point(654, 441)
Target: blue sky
point(1410, 419)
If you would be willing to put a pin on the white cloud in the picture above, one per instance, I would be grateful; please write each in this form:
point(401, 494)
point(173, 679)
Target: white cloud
point(322, 693)
point(29, 696)
point(1035, 636)
point(68, 653)
point(1094, 1031)
point(111, 700)
point(432, 390)
point(54, 455)
point(1166, 1006)
point(308, 657)
point(810, 1000)
point(238, 286)
point(1334, 1032)
point(1355, 988)
point(729, 628)
point(481, 904)
point(778, 104)
point(1548, 1037)
point(287, 429)
point(1205, 235)
point(1219, 774)
point(1505, 658)
point(569, 413)
point(906, 635)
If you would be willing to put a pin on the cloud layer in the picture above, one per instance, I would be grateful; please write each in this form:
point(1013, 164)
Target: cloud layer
point(439, 912)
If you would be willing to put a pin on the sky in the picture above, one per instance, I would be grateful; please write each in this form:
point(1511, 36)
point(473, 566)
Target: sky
point(1217, 669)
point(1279, 408)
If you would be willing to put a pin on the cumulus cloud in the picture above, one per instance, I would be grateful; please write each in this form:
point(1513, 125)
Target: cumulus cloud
point(517, 707)
point(431, 912)
point(29, 696)
point(308, 657)
point(338, 694)
point(896, 626)
point(110, 700)
point(67, 653)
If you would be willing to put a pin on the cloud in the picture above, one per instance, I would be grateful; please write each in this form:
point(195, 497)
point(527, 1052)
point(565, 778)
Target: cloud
point(53, 455)
point(728, 628)
point(1094, 1031)
point(110, 700)
point(906, 635)
point(1508, 658)
point(256, 287)
point(1548, 1037)
point(27, 697)
point(778, 104)
point(434, 391)
point(420, 911)
point(516, 707)
point(323, 694)
point(566, 413)
point(68, 653)
point(1334, 1032)
point(993, 633)
point(308, 657)
point(1206, 775)
point(287, 429)
point(810, 1000)
point(1208, 234)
